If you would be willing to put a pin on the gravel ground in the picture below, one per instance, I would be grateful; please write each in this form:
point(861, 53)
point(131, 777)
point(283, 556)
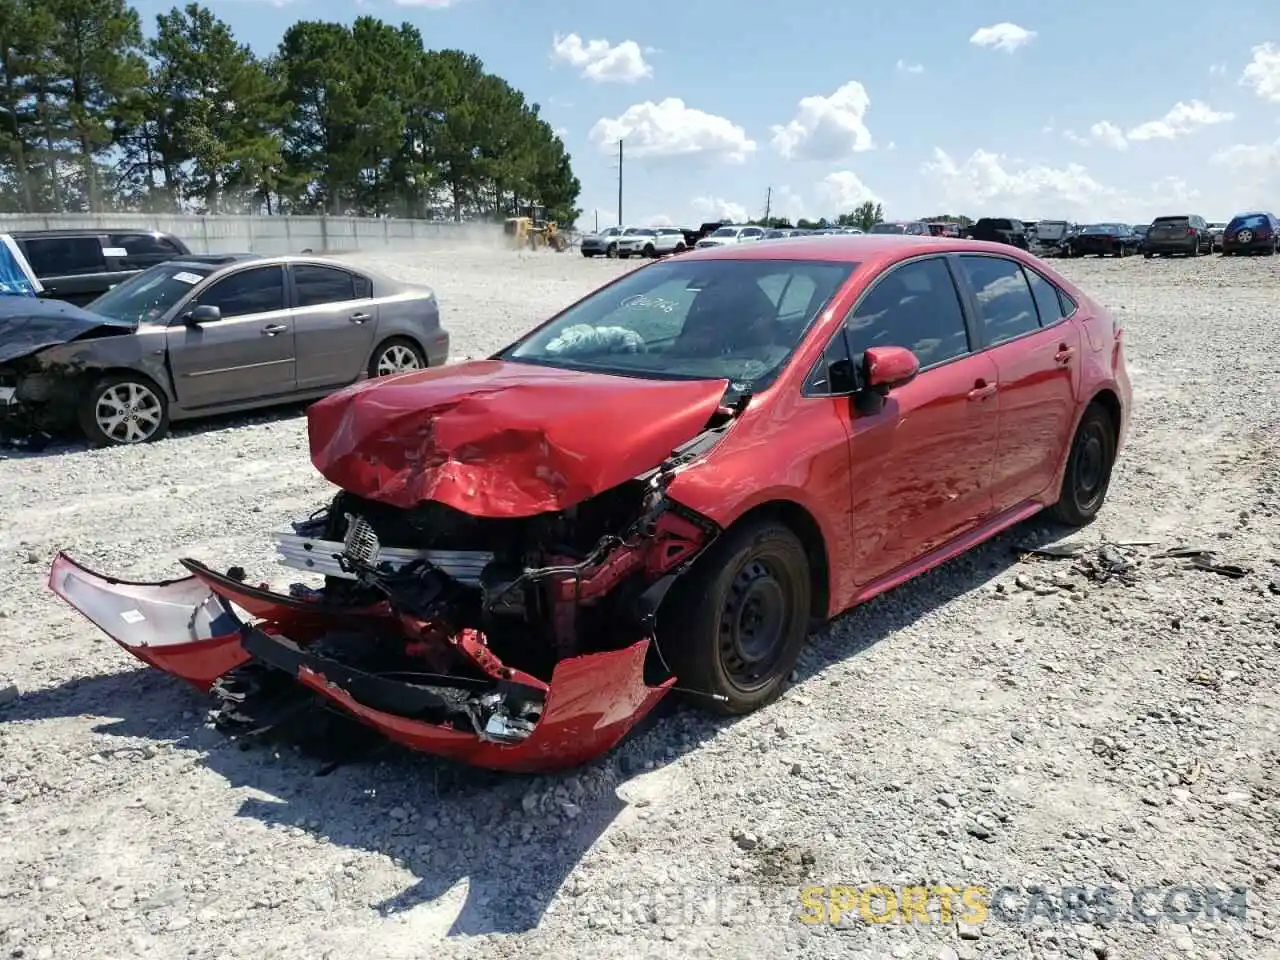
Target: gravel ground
point(1001, 721)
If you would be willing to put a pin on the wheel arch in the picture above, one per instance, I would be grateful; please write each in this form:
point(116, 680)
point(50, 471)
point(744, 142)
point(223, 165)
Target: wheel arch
point(805, 526)
point(1105, 397)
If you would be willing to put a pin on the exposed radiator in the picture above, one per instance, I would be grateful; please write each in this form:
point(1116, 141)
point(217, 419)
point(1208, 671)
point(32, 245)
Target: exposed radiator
point(321, 556)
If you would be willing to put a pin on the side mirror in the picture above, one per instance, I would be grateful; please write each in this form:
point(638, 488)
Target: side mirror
point(203, 313)
point(887, 368)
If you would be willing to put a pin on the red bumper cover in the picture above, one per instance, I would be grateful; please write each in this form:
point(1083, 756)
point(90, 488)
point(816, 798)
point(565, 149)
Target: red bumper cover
point(196, 628)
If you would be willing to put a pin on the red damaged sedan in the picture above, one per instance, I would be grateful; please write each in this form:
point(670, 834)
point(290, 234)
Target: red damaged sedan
point(663, 488)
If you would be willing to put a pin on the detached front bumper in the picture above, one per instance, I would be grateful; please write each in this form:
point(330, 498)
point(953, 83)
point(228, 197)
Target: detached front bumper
point(204, 626)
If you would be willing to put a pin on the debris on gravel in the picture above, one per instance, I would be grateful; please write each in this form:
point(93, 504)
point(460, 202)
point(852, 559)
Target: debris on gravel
point(1050, 723)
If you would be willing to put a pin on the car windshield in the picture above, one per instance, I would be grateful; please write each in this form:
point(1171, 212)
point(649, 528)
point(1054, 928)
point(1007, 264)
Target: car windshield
point(1108, 228)
point(726, 232)
point(889, 228)
point(1250, 220)
point(1171, 222)
point(151, 294)
point(738, 320)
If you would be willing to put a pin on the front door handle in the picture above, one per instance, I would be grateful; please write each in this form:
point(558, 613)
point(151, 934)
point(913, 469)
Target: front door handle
point(1064, 355)
point(981, 390)
point(272, 329)
point(359, 317)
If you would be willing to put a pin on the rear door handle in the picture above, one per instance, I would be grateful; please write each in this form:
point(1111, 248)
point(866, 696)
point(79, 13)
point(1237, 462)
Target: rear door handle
point(272, 329)
point(1064, 355)
point(981, 390)
point(359, 317)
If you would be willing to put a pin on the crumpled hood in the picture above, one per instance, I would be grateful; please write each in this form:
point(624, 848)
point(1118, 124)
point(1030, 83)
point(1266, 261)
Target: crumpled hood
point(498, 439)
point(28, 325)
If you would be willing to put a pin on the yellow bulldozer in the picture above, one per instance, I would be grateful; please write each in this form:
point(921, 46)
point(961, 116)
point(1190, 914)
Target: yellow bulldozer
point(532, 231)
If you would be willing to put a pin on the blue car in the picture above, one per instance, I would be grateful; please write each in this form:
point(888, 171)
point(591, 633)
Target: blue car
point(16, 276)
point(1251, 233)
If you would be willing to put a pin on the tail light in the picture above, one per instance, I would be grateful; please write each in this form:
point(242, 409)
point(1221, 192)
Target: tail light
point(1191, 231)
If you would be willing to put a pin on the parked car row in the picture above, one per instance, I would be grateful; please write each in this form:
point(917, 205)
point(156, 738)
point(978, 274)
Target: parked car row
point(1173, 235)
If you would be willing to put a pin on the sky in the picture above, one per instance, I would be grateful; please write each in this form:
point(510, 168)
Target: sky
point(1085, 111)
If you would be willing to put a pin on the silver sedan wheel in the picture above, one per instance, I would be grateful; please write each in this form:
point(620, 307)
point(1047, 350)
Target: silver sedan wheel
point(397, 358)
point(128, 413)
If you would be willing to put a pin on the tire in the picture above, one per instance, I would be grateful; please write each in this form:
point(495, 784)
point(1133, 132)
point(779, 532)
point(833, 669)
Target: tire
point(142, 411)
point(587, 254)
point(1088, 473)
point(611, 251)
point(396, 355)
point(681, 248)
point(758, 569)
point(1147, 255)
point(649, 251)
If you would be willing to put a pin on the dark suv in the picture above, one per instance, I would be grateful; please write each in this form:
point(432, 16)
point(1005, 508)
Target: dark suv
point(1184, 233)
point(1251, 233)
point(81, 265)
point(1001, 230)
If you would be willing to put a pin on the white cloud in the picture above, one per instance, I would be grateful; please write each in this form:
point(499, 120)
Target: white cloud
point(1263, 72)
point(657, 220)
point(1002, 36)
point(1256, 169)
point(716, 208)
point(1217, 69)
point(600, 60)
point(672, 129)
point(561, 132)
point(827, 128)
point(1182, 119)
point(987, 183)
point(1244, 156)
point(844, 190)
point(904, 67)
point(1104, 132)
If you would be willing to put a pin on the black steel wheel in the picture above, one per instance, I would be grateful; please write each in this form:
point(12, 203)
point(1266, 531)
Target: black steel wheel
point(732, 627)
point(1089, 464)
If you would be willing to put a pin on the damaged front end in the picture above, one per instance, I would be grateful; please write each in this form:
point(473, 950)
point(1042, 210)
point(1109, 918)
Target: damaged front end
point(512, 643)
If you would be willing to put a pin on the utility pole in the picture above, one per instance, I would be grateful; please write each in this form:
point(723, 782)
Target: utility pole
point(768, 204)
point(619, 183)
point(597, 220)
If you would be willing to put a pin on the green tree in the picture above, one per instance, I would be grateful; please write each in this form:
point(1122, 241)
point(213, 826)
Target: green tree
point(26, 30)
point(864, 216)
point(96, 70)
point(215, 110)
point(950, 218)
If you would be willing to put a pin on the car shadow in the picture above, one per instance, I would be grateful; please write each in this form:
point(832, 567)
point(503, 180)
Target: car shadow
point(35, 446)
point(450, 818)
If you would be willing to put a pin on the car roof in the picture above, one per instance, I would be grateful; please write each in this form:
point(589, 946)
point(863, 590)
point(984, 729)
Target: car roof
point(68, 232)
point(847, 248)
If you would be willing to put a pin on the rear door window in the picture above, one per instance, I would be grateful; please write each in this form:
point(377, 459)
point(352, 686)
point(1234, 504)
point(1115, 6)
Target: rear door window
point(320, 285)
point(1005, 304)
point(65, 256)
point(1048, 300)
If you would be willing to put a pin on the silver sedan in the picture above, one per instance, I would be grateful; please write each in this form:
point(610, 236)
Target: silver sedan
point(213, 334)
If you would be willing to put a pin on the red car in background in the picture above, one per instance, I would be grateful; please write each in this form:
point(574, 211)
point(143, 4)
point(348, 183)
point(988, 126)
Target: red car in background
point(664, 487)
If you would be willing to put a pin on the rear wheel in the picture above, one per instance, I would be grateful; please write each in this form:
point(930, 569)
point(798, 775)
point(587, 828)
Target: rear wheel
point(397, 355)
point(649, 251)
point(611, 251)
point(1088, 473)
point(733, 626)
point(122, 410)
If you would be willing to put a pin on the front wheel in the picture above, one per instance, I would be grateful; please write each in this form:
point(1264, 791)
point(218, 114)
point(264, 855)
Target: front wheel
point(122, 410)
point(611, 251)
point(649, 251)
point(397, 355)
point(1088, 473)
point(732, 628)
